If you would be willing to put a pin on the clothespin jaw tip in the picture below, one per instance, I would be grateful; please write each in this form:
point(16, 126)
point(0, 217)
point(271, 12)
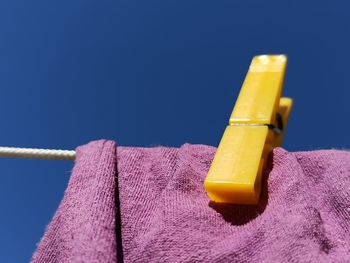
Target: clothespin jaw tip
point(256, 126)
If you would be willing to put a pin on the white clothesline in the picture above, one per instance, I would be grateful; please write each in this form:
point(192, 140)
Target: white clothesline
point(37, 153)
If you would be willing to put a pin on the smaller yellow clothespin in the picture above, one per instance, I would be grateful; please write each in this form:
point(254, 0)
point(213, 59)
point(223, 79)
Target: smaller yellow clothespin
point(256, 125)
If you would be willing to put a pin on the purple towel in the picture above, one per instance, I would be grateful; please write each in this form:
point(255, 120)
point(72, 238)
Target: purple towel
point(157, 210)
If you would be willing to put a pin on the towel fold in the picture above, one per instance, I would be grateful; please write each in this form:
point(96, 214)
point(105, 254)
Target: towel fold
point(149, 205)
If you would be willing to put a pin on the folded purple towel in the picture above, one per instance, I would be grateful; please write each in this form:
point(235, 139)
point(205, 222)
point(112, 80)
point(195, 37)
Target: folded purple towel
point(158, 211)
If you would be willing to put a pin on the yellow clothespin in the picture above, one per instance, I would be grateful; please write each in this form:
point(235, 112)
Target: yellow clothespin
point(256, 126)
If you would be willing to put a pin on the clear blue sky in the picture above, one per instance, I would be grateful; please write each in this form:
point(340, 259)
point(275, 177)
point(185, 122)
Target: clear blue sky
point(148, 73)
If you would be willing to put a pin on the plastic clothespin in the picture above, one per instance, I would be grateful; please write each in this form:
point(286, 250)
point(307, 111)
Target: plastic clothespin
point(256, 125)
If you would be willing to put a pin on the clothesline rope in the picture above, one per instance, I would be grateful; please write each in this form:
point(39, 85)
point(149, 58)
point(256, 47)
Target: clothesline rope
point(37, 153)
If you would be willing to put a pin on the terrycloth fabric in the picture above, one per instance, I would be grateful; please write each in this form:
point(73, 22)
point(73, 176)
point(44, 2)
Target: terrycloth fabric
point(84, 226)
point(303, 216)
